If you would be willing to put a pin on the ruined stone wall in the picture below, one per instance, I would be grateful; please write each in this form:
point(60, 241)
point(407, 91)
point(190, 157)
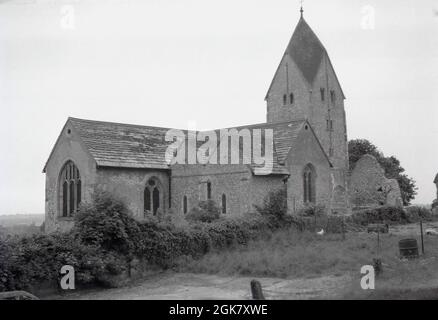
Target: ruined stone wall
point(368, 185)
point(435, 202)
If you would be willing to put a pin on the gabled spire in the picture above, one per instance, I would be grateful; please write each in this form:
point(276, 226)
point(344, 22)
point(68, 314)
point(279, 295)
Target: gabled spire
point(306, 50)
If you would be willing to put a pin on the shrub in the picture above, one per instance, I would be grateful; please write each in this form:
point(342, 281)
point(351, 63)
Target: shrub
point(312, 210)
point(384, 214)
point(106, 223)
point(274, 204)
point(106, 238)
point(417, 213)
point(205, 211)
point(29, 261)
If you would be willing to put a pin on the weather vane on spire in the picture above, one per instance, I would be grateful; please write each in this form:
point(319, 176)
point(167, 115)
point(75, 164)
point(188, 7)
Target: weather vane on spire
point(301, 10)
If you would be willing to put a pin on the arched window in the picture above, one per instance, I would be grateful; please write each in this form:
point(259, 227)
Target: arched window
point(185, 204)
point(309, 178)
point(152, 197)
point(224, 204)
point(284, 99)
point(70, 190)
point(147, 200)
point(155, 200)
point(291, 98)
point(208, 190)
point(322, 90)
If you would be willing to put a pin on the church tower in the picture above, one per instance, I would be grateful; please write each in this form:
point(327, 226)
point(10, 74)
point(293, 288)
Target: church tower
point(305, 86)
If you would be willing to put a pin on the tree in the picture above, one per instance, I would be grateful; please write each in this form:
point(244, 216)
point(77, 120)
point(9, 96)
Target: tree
point(391, 165)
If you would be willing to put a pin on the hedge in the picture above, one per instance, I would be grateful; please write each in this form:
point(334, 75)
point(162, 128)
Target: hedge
point(391, 215)
point(106, 239)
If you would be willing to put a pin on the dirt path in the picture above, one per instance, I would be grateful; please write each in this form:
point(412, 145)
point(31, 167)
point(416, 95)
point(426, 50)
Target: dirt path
point(187, 286)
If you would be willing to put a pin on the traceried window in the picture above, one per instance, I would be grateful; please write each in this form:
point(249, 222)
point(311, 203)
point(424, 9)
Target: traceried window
point(70, 189)
point(152, 197)
point(309, 178)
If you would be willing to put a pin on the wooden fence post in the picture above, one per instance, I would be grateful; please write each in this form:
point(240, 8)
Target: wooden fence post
point(256, 290)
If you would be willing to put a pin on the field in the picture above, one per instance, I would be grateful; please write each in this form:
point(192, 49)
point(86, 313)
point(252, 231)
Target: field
point(292, 255)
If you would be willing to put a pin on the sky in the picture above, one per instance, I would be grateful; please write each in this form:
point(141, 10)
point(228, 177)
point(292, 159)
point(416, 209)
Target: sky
point(176, 63)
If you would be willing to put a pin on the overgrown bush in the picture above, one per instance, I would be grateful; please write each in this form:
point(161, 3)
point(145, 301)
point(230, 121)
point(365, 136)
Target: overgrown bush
point(107, 224)
point(29, 261)
point(205, 211)
point(274, 204)
point(384, 214)
point(417, 213)
point(312, 210)
point(105, 239)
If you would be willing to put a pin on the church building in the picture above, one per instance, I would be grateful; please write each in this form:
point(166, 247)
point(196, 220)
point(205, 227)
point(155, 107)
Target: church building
point(305, 112)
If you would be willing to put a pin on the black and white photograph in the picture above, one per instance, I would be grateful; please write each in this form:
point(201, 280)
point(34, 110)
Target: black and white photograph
point(237, 152)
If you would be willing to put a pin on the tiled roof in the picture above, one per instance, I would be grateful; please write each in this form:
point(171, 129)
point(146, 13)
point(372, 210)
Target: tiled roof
point(307, 51)
point(134, 146)
point(123, 145)
point(285, 134)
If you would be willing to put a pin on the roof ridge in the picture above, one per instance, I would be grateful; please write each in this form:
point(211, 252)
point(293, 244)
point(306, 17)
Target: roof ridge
point(263, 124)
point(119, 123)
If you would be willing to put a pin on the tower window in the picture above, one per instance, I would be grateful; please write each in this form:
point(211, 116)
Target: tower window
point(332, 96)
point(322, 90)
point(329, 125)
point(291, 98)
point(284, 99)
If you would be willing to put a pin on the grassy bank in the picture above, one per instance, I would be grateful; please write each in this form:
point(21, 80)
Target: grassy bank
point(290, 254)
